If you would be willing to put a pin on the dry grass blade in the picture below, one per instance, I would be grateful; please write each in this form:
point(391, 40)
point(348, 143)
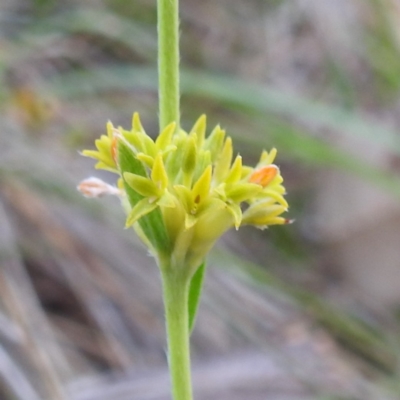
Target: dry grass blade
point(82, 273)
point(22, 303)
point(17, 383)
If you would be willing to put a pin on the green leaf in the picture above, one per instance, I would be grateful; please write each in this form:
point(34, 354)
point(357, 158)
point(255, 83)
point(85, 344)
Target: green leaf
point(195, 289)
point(142, 208)
point(152, 224)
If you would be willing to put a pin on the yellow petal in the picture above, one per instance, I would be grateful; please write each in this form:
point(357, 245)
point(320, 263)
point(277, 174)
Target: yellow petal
point(91, 153)
point(158, 173)
point(246, 171)
point(165, 137)
point(136, 124)
point(223, 162)
point(242, 191)
point(110, 129)
point(215, 142)
point(190, 221)
point(201, 188)
point(149, 145)
point(145, 159)
point(236, 212)
point(185, 197)
point(211, 224)
point(203, 161)
point(174, 218)
point(141, 208)
point(199, 128)
point(106, 167)
point(134, 139)
point(167, 200)
point(141, 185)
point(263, 224)
point(104, 152)
point(190, 156)
point(268, 158)
point(104, 144)
point(275, 195)
point(262, 212)
point(235, 172)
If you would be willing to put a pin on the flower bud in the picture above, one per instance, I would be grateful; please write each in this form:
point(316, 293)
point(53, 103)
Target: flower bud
point(94, 187)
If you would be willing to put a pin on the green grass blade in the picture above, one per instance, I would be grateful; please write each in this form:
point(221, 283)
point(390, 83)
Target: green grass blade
point(309, 150)
point(268, 110)
point(195, 290)
point(233, 93)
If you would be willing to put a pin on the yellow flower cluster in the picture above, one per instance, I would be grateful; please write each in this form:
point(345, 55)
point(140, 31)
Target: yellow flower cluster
point(194, 182)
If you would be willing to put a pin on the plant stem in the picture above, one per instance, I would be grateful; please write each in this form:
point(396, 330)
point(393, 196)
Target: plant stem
point(168, 61)
point(176, 292)
point(175, 285)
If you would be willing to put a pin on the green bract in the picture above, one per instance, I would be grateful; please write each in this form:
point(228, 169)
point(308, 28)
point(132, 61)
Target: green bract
point(192, 182)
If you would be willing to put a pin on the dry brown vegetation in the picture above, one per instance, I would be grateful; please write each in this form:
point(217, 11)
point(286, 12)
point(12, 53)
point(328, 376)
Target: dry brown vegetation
point(295, 313)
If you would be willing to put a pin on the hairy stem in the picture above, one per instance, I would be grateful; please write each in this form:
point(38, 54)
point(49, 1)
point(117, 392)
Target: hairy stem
point(176, 312)
point(168, 61)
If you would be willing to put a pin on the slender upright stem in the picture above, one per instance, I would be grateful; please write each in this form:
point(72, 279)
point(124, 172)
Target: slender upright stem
point(176, 302)
point(175, 286)
point(168, 61)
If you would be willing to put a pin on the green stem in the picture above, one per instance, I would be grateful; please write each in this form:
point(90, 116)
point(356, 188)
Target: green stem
point(176, 292)
point(175, 286)
point(168, 61)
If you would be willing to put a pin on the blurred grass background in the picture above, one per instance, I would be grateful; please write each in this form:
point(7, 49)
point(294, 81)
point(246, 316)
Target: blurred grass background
point(306, 311)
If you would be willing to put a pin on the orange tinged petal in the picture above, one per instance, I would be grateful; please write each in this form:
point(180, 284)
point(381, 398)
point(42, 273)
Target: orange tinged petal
point(264, 175)
point(114, 149)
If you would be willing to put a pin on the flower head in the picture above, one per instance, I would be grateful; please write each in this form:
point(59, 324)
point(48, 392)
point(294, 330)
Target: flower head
point(191, 183)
